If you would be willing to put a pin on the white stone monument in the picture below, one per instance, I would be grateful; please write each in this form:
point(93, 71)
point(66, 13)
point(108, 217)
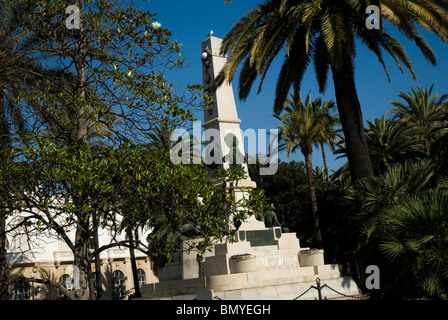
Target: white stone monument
point(221, 123)
point(263, 263)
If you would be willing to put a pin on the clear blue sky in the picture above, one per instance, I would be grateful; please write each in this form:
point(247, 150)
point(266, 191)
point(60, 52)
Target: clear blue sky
point(191, 21)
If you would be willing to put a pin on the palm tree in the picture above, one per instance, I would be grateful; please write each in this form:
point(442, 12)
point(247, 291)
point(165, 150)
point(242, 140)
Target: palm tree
point(22, 78)
point(161, 139)
point(329, 134)
point(302, 126)
point(392, 142)
point(320, 174)
point(416, 237)
point(422, 109)
point(403, 229)
point(19, 71)
point(326, 31)
point(379, 193)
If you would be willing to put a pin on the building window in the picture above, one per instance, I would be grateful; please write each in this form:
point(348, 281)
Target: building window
point(141, 276)
point(21, 290)
point(118, 285)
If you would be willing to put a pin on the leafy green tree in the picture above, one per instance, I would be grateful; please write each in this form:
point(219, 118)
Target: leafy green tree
point(325, 32)
point(302, 126)
point(288, 191)
point(71, 184)
point(64, 186)
point(160, 141)
point(415, 130)
point(117, 59)
point(113, 81)
point(175, 201)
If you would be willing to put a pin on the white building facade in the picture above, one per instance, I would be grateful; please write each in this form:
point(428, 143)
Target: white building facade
point(38, 259)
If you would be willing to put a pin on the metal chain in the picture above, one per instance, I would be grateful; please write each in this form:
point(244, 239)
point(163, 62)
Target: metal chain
point(346, 295)
point(313, 287)
point(326, 285)
point(303, 293)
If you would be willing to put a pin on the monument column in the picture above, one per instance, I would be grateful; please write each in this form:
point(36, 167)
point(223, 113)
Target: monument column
point(224, 145)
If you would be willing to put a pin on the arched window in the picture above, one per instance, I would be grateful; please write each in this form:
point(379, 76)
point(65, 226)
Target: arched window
point(141, 277)
point(118, 285)
point(21, 290)
point(63, 282)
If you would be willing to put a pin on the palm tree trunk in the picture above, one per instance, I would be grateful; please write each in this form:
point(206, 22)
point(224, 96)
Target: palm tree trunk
point(312, 190)
point(324, 159)
point(351, 119)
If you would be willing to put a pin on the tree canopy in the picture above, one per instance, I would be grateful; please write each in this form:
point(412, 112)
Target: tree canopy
point(88, 160)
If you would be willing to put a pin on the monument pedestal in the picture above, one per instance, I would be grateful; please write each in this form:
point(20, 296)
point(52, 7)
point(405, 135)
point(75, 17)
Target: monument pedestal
point(261, 264)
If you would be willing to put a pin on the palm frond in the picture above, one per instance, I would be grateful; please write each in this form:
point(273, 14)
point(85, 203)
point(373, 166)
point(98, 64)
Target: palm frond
point(292, 71)
point(321, 63)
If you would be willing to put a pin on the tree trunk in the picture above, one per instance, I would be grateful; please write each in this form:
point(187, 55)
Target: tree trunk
point(351, 120)
point(3, 258)
point(81, 61)
point(312, 190)
point(81, 252)
point(137, 292)
point(81, 119)
point(324, 159)
point(98, 275)
point(4, 141)
point(82, 259)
